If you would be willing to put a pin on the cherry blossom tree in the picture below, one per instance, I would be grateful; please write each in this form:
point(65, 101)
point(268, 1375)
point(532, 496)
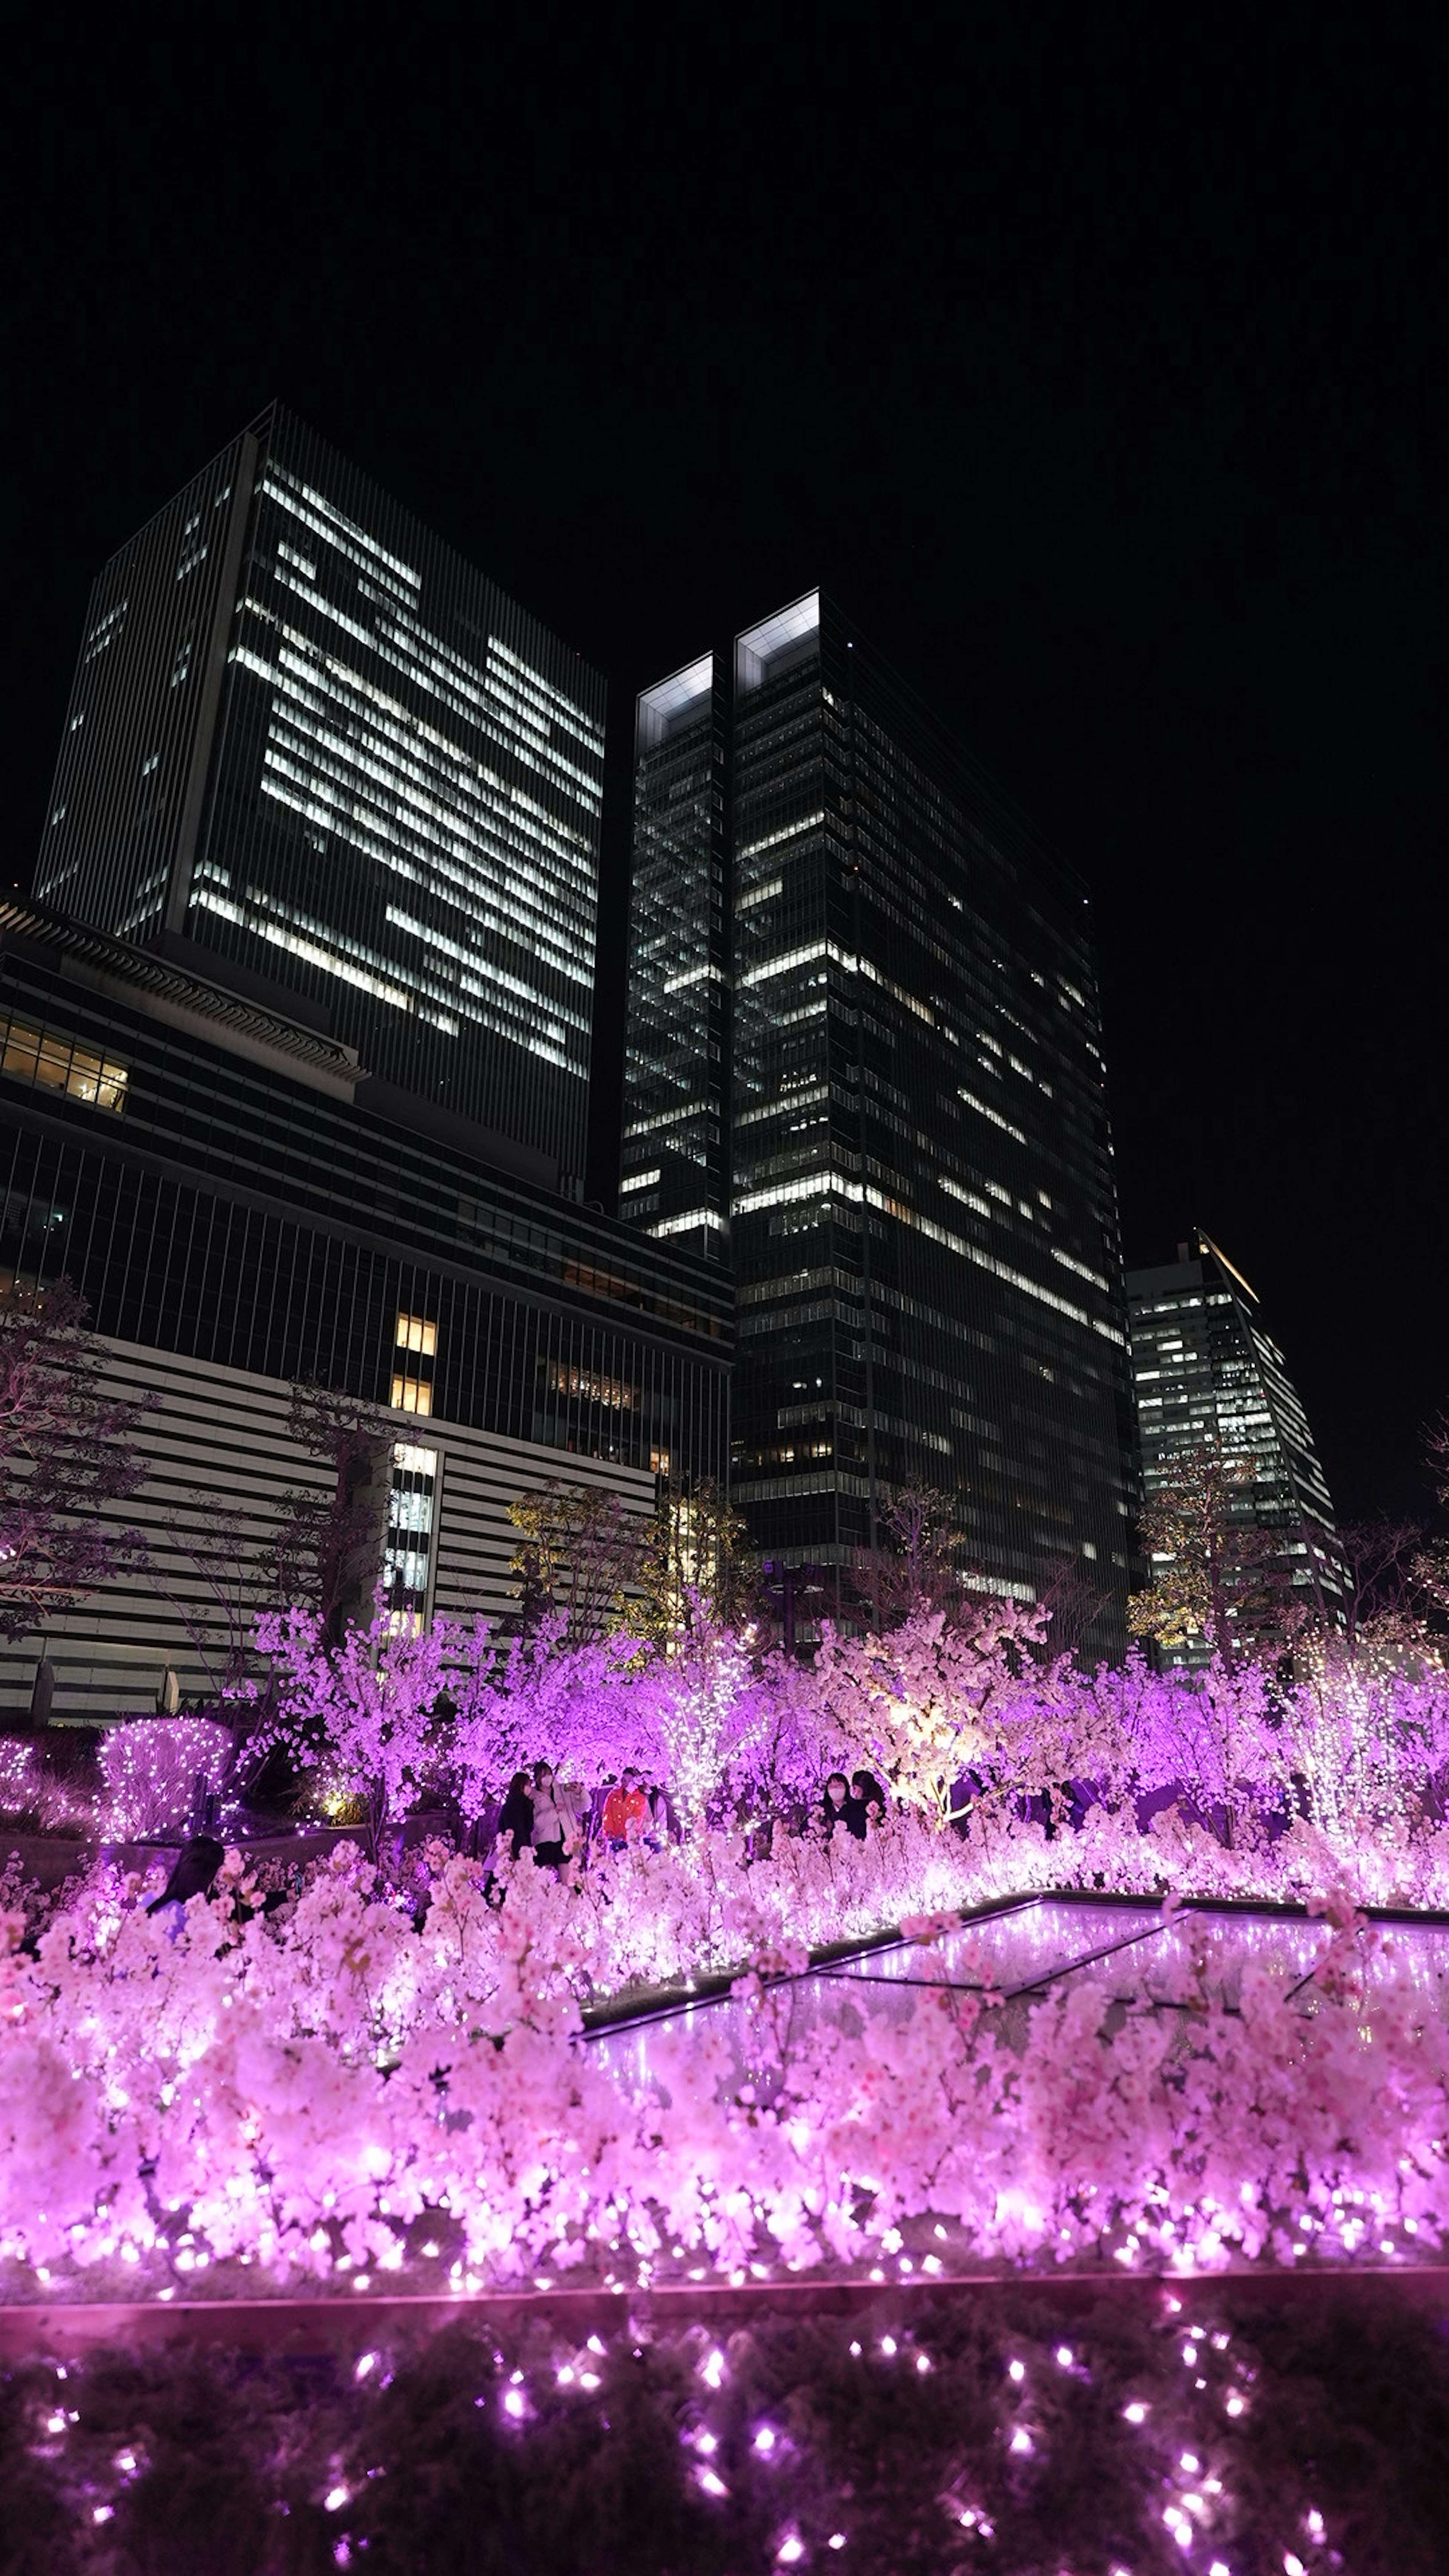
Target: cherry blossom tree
point(68, 1454)
point(385, 1709)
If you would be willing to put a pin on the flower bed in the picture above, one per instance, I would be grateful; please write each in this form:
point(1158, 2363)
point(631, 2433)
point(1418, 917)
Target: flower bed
point(333, 2094)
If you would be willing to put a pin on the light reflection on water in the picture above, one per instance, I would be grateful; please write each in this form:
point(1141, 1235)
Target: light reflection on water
point(1043, 1947)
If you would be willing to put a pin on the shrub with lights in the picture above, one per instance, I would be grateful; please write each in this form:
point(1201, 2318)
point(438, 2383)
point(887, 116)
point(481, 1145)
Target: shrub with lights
point(387, 2069)
point(1030, 2433)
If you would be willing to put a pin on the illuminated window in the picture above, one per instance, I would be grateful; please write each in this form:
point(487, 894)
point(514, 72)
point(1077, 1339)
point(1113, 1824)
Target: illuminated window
point(411, 1530)
point(591, 1387)
point(59, 1065)
point(415, 1348)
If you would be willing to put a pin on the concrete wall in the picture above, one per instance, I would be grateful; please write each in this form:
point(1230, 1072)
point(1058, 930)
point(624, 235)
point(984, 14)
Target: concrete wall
point(218, 1442)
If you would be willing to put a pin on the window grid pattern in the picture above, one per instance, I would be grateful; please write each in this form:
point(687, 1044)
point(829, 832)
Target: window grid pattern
point(56, 1063)
point(918, 1116)
point(334, 753)
point(674, 1165)
point(237, 1217)
point(1206, 1375)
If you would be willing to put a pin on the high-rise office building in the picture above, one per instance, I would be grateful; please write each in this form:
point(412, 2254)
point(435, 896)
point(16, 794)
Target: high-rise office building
point(921, 1214)
point(675, 1167)
point(1208, 1378)
point(240, 1216)
point(309, 747)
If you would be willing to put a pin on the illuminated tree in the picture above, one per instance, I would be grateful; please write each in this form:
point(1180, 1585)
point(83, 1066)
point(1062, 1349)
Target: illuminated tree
point(695, 1569)
point(933, 1701)
point(380, 1709)
point(66, 1454)
point(1220, 1581)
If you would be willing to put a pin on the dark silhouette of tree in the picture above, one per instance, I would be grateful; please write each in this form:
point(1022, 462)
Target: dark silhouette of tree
point(1431, 1561)
point(67, 1453)
point(329, 1544)
point(695, 1566)
point(917, 1566)
point(578, 1556)
point(1073, 1596)
point(236, 1583)
point(1383, 1595)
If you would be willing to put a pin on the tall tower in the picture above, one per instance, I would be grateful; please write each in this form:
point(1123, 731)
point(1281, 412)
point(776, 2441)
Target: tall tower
point(674, 1175)
point(922, 1212)
point(307, 739)
point(1208, 1377)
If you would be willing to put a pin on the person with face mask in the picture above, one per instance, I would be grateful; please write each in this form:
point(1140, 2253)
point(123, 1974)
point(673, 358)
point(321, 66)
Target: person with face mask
point(550, 1836)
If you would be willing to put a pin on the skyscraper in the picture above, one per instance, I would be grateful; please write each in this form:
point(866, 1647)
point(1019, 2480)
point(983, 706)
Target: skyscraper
point(1207, 1378)
point(238, 1219)
point(309, 747)
point(675, 1169)
point(294, 1068)
point(921, 1215)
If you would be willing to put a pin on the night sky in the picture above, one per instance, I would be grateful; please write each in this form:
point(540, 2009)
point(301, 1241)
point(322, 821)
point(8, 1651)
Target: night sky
point(1089, 363)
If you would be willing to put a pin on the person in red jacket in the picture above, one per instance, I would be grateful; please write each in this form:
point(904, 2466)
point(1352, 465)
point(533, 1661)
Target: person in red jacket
point(626, 1812)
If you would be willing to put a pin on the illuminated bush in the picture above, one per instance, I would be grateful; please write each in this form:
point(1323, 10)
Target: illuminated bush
point(154, 1771)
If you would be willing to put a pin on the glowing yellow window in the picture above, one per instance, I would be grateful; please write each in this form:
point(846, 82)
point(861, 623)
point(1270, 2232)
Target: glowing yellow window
point(22, 1049)
point(415, 1333)
point(412, 1395)
point(60, 1066)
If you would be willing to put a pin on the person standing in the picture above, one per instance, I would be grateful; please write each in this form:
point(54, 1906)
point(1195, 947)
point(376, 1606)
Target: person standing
point(626, 1812)
point(550, 1825)
point(516, 1815)
point(836, 1809)
point(867, 1793)
point(568, 1797)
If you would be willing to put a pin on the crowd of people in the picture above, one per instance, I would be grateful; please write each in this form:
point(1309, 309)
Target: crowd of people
point(558, 1824)
point(552, 1819)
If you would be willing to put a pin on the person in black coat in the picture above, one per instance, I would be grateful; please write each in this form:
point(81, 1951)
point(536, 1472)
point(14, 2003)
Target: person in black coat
point(837, 1810)
point(516, 1814)
point(867, 1794)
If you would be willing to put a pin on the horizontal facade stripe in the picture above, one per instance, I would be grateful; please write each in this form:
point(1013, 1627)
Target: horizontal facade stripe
point(110, 1653)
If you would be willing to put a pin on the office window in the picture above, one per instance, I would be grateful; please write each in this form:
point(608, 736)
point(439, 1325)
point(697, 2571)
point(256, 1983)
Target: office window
point(412, 1528)
point(415, 1349)
point(58, 1064)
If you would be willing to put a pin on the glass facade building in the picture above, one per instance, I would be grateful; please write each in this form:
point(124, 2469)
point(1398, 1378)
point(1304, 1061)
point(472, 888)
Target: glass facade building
point(674, 1177)
point(922, 1214)
point(309, 747)
point(239, 1217)
point(1208, 1377)
point(205, 1175)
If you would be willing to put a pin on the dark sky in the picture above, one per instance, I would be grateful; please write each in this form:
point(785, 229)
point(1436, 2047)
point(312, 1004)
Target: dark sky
point(1089, 358)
